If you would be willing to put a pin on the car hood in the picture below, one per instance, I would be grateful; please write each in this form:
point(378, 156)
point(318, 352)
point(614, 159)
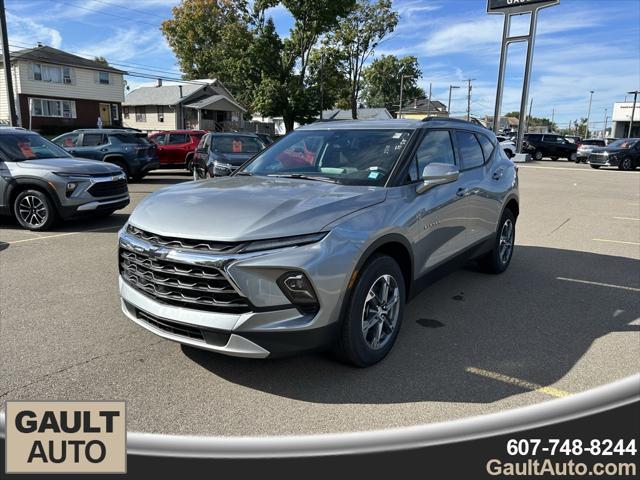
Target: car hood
point(240, 208)
point(71, 165)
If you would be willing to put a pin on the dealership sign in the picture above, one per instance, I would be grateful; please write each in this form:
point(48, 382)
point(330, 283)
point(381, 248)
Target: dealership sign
point(513, 6)
point(622, 112)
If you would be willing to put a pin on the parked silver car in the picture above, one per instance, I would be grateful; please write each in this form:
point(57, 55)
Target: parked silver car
point(40, 182)
point(320, 239)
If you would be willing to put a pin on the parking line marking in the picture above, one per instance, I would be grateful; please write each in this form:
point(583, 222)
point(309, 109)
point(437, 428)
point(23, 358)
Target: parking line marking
point(615, 241)
point(533, 387)
point(587, 282)
point(59, 235)
point(627, 218)
point(559, 168)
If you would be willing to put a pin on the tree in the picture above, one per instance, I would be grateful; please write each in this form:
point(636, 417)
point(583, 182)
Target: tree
point(101, 61)
point(382, 78)
point(358, 35)
point(536, 121)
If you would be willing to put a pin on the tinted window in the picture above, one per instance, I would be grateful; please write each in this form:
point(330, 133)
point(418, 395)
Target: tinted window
point(137, 139)
point(93, 139)
point(27, 146)
point(469, 150)
point(436, 147)
point(487, 146)
point(159, 139)
point(68, 141)
point(175, 138)
point(239, 144)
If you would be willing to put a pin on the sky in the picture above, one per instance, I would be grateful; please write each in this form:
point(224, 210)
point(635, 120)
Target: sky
point(581, 45)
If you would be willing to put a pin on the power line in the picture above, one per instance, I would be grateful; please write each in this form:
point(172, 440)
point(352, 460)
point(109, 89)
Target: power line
point(128, 8)
point(58, 2)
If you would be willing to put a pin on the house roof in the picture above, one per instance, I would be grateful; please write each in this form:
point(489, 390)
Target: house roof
point(48, 54)
point(424, 105)
point(513, 121)
point(363, 114)
point(164, 95)
point(203, 103)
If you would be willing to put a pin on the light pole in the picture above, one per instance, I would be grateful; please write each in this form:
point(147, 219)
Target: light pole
point(633, 111)
point(604, 129)
point(401, 90)
point(586, 133)
point(451, 87)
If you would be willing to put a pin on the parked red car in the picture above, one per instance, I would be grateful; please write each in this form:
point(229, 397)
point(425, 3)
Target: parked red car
point(176, 147)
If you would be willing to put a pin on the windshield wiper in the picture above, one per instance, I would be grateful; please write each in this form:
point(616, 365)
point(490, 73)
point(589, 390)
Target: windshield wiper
point(304, 177)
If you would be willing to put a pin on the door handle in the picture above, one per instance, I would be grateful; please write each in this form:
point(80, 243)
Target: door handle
point(461, 192)
point(497, 175)
point(104, 150)
point(71, 151)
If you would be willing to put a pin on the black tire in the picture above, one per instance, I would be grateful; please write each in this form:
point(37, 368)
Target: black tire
point(626, 164)
point(573, 158)
point(353, 347)
point(538, 155)
point(495, 262)
point(34, 210)
point(596, 166)
point(189, 162)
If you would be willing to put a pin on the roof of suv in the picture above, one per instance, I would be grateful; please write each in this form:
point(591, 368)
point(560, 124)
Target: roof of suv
point(389, 124)
point(107, 130)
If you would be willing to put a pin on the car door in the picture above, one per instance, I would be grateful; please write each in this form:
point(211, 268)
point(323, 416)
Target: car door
point(177, 147)
point(159, 140)
point(472, 185)
point(91, 145)
point(439, 221)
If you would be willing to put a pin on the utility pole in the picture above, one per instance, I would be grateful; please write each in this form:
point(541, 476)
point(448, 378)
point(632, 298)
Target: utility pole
point(402, 77)
point(13, 117)
point(553, 115)
point(451, 87)
point(604, 129)
point(633, 111)
point(586, 135)
point(429, 104)
point(469, 87)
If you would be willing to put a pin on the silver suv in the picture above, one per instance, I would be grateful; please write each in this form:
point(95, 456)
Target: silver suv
point(320, 239)
point(40, 182)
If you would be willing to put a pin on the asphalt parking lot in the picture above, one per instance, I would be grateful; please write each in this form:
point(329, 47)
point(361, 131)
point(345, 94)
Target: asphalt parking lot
point(563, 319)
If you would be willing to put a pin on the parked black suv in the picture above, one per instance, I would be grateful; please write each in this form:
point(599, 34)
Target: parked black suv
point(129, 149)
point(623, 153)
point(540, 145)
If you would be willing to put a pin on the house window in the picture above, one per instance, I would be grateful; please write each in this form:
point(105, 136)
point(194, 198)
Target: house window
point(44, 107)
point(66, 75)
point(160, 113)
point(48, 73)
point(103, 78)
point(141, 114)
point(114, 112)
point(125, 112)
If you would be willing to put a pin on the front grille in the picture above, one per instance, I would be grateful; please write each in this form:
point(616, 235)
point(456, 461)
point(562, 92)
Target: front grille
point(179, 284)
point(185, 243)
point(212, 337)
point(598, 158)
point(108, 189)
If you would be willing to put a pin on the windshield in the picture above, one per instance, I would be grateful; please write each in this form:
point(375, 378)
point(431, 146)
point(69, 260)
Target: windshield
point(28, 146)
point(623, 143)
point(352, 157)
point(233, 144)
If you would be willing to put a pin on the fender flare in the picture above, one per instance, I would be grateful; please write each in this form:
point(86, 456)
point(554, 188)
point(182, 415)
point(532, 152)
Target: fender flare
point(30, 181)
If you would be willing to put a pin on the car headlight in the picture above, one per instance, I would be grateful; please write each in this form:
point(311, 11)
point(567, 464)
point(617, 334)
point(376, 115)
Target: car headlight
point(272, 244)
point(222, 166)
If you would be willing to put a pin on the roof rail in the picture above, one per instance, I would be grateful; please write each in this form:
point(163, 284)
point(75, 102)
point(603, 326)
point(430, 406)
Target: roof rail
point(445, 119)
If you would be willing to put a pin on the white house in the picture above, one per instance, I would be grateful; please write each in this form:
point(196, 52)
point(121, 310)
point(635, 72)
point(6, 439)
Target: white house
point(55, 90)
point(198, 104)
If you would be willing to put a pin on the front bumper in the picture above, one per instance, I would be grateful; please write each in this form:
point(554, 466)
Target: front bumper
point(89, 205)
point(273, 326)
point(603, 161)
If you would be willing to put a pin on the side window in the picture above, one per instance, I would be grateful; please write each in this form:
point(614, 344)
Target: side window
point(93, 139)
point(204, 143)
point(469, 150)
point(487, 146)
point(436, 147)
point(177, 138)
point(158, 139)
point(67, 141)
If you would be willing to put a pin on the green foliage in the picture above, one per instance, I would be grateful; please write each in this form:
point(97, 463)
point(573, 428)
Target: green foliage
point(357, 36)
point(381, 81)
point(101, 61)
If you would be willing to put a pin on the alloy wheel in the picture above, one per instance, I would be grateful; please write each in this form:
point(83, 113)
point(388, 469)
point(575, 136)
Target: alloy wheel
point(626, 164)
point(380, 312)
point(32, 211)
point(506, 241)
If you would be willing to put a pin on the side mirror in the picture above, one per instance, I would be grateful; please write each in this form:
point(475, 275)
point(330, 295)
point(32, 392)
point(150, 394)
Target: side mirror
point(436, 174)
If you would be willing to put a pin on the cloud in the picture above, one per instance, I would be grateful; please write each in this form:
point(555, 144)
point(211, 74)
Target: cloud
point(24, 31)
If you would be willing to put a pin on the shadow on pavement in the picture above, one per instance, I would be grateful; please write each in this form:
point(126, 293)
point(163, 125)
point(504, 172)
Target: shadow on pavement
point(525, 323)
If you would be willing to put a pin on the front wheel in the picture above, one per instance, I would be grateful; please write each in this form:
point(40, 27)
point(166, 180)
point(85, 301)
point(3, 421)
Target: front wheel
point(625, 164)
point(499, 258)
point(374, 314)
point(573, 158)
point(34, 211)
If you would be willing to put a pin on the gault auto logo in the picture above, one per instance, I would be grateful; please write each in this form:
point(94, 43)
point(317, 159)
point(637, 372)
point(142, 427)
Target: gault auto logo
point(66, 437)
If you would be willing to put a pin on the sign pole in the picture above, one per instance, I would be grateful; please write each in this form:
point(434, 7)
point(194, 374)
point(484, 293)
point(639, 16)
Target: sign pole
point(503, 64)
point(527, 78)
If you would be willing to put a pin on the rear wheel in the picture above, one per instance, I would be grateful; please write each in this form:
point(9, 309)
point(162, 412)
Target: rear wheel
point(573, 158)
point(499, 258)
point(189, 162)
point(34, 210)
point(625, 164)
point(374, 315)
point(122, 165)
